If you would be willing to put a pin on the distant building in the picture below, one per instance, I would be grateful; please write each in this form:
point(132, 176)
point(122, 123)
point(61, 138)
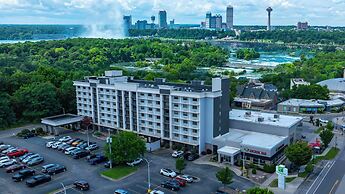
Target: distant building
point(269, 10)
point(256, 95)
point(295, 82)
point(141, 25)
point(162, 19)
point(229, 17)
point(302, 26)
point(213, 22)
point(336, 85)
point(311, 106)
point(127, 22)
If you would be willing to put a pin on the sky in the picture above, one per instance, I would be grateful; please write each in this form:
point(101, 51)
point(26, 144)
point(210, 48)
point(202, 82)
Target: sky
point(246, 12)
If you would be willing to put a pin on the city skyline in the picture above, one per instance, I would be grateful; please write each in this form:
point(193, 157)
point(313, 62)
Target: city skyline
point(246, 12)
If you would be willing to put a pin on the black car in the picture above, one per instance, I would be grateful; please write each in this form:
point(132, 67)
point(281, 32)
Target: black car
point(56, 169)
point(192, 157)
point(80, 154)
point(21, 175)
point(171, 185)
point(37, 180)
point(98, 159)
point(82, 185)
point(90, 157)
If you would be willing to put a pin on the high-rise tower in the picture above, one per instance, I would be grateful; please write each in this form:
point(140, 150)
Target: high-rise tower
point(229, 17)
point(269, 10)
point(162, 19)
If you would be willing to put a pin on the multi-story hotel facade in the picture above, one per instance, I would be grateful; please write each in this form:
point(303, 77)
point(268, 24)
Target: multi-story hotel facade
point(189, 114)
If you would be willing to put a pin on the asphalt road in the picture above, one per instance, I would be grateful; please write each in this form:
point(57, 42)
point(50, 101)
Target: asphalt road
point(80, 169)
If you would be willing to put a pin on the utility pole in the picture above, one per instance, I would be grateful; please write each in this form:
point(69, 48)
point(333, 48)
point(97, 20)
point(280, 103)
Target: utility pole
point(148, 175)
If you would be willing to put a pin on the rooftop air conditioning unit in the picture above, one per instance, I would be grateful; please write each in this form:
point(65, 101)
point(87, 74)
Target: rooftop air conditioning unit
point(261, 119)
point(248, 113)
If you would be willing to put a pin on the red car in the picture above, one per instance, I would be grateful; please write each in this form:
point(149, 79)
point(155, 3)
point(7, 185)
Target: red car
point(180, 181)
point(17, 153)
point(15, 167)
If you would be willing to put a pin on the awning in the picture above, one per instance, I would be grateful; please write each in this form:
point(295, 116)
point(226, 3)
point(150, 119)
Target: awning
point(228, 151)
point(60, 120)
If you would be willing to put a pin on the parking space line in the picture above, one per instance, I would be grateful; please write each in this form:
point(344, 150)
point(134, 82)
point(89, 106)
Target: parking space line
point(133, 190)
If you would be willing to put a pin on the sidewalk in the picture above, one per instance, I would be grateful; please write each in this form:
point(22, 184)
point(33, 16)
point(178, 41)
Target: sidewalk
point(206, 160)
point(290, 187)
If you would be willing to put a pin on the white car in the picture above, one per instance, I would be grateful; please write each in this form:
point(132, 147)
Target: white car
point(66, 138)
point(185, 177)
point(56, 145)
point(135, 162)
point(323, 121)
point(91, 147)
point(27, 159)
point(168, 172)
point(9, 150)
point(156, 192)
point(4, 158)
point(50, 144)
point(177, 154)
point(8, 162)
point(71, 149)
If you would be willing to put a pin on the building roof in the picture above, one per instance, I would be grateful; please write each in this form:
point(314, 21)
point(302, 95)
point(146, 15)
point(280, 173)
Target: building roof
point(60, 120)
point(301, 102)
point(336, 84)
point(228, 150)
point(264, 118)
point(250, 138)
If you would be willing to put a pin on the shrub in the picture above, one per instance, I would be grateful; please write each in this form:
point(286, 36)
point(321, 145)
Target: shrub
point(97, 133)
point(253, 171)
point(208, 151)
point(269, 168)
point(309, 168)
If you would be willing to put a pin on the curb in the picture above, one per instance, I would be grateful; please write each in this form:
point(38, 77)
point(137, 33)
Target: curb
point(116, 180)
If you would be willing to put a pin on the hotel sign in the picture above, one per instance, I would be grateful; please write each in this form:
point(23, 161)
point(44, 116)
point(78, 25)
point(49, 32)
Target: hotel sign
point(255, 151)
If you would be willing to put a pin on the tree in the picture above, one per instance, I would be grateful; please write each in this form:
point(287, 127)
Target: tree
point(326, 136)
point(7, 116)
point(299, 153)
point(125, 147)
point(224, 176)
point(180, 165)
point(258, 190)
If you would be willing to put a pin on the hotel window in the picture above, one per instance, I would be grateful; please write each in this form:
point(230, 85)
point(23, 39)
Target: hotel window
point(143, 128)
point(158, 117)
point(142, 114)
point(107, 90)
point(175, 105)
point(158, 124)
point(175, 113)
point(150, 123)
point(150, 116)
point(185, 136)
point(150, 109)
point(194, 115)
point(150, 101)
point(176, 127)
point(185, 122)
point(184, 98)
point(176, 135)
point(157, 95)
point(158, 103)
point(142, 101)
point(194, 123)
point(185, 114)
point(194, 107)
point(176, 120)
point(195, 100)
point(141, 94)
point(151, 130)
point(101, 89)
point(175, 97)
point(149, 94)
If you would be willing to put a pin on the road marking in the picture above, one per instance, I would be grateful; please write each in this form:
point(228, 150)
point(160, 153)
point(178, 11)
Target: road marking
point(311, 186)
point(335, 184)
point(323, 177)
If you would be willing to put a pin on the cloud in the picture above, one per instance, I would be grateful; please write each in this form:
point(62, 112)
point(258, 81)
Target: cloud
point(285, 12)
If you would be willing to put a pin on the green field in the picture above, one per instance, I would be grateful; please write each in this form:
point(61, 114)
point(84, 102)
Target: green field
point(119, 171)
point(274, 183)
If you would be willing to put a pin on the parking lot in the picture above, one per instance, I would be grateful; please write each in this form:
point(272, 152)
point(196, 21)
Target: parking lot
point(81, 170)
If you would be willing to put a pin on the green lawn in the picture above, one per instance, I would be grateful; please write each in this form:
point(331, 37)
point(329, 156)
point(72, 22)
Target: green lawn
point(119, 171)
point(274, 183)
point(331, 154)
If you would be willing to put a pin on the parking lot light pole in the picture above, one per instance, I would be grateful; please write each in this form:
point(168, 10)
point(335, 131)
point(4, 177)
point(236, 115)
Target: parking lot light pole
point(148, 175)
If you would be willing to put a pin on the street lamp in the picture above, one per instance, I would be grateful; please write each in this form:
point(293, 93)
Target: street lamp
point(64, 188)
point(87, 121)
point(148, 174)
point(109, 141)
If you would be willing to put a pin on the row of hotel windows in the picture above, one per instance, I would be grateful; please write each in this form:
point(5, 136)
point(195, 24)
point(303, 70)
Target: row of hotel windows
point(185, 129)
point(185, 106)
point(84, 112)
point(186, 122)
point(150, 123)
point(185, 137)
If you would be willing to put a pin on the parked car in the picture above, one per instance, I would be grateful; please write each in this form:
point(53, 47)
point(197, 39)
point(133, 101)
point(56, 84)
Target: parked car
point(56, 144)
point(17, 153)
point(98, 159)
point(82, 145)
point(35, 161)
point(80, 154)
point(63, 147)
point(69, 150)
point(156, 192)
point(91, 156)
point(6, 163)
point(11, 149)
point(64, 139)
point(71, 141)
point(25, 160)
point(121, 191)
point(180, 182)
point(82, 185)
point(4, 158)
point(75, 151)
point(75, 143)
point(15, 167)
point(47, 166)
point(177, 154)
point(107, 164)
point(21, 158)
point(49, 144)
point(26, 133)
point(185, 177)
point(37, 180)
point(193, 157)
point(168, 172)
point(56, 169)
point(92, 147)
point(135, 162)
point(170, 185)
point(4, 147)
point(21, 175)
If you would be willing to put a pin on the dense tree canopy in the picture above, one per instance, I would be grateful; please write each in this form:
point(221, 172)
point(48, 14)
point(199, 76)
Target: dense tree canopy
point(36, 78)
point(313, 91)
point(299, 153)
point(182, 33)
point(247, 54)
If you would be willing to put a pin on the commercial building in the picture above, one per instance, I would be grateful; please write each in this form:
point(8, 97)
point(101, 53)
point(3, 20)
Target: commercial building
point(213, 22)
point(189, 114)
point(311, 106)
point(256, 95)
point(295, 82)
point(258, 137)
point(141, 25)
point(336, 85)
point(230, 17)
point(162, 19)
point(302, 26)
point(127, 21)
